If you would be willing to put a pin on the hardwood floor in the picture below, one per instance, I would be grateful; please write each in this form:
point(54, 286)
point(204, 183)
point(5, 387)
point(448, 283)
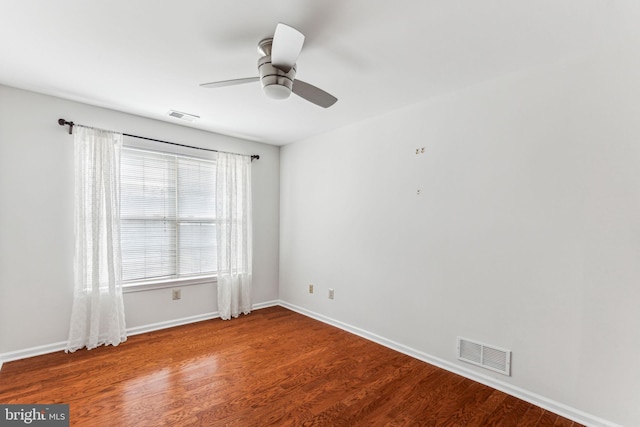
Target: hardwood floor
point(272, 367)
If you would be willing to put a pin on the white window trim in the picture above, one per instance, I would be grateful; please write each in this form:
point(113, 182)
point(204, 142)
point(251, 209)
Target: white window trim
point(150, 285)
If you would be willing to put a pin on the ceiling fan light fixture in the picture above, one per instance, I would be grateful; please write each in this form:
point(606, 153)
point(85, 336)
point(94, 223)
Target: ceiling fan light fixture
point(277, 91)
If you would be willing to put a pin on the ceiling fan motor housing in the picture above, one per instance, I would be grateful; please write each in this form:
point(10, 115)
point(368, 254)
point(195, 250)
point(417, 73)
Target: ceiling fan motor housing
point(276, 83)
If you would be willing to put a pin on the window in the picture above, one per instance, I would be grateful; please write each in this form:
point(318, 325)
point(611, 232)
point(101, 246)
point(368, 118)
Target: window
point(167, 216)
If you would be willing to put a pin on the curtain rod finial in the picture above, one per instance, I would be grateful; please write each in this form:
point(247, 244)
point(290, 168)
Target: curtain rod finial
point(63, 122)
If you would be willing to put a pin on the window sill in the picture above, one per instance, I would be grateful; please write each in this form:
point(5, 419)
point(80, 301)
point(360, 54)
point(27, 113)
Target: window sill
point(168, 283)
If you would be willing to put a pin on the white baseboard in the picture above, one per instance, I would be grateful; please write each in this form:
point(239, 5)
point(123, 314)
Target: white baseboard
point(528, 396)
point(191, 319)
point(266, 304)
point(136, 330)
point(60, 346)
point(33, 351)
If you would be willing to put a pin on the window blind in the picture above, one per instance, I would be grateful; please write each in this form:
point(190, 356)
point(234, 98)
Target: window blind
point(167, 216)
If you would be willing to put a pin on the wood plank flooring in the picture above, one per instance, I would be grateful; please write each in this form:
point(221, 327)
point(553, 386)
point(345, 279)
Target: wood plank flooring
point(272, 367)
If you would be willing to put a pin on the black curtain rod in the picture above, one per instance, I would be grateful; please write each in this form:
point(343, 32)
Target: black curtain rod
point(63, 122)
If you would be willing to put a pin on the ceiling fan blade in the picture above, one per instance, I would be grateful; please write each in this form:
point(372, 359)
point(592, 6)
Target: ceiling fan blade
point(286, 47)
point(313, 94)
point(230, 82)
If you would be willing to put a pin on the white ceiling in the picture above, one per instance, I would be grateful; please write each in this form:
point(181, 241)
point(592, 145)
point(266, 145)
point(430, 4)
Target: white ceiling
point(147, 56)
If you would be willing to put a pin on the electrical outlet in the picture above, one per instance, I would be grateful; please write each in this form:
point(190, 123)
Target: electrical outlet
point(330, 293)
point(310, 289)
point(177, 294)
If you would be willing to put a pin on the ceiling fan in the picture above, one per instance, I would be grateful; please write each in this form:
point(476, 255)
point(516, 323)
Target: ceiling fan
point(277, 68)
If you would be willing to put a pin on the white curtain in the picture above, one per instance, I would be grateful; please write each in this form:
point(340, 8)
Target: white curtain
point(233, 235)
point(97, 316)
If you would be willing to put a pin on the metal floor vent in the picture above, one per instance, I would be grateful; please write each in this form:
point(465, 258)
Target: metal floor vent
point(489, 357)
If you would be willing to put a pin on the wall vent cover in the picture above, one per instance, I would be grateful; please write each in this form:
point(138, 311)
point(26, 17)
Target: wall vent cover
point(487, 356)
point(183, 116)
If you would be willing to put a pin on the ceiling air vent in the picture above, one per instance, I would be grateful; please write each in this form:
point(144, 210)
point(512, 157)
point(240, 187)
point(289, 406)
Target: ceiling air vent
point(486, 356)
point(183, 116)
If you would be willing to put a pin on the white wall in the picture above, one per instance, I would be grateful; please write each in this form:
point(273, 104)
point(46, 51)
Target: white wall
point(526, 234)
point(36, 219)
